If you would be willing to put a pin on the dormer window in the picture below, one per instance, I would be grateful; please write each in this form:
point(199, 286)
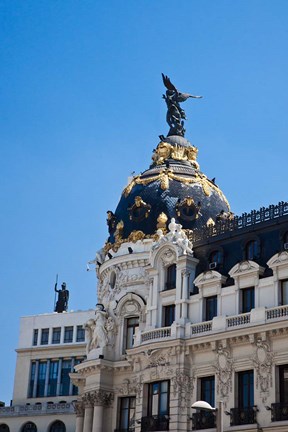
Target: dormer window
point(170, 277)
point(215, 259)
point(251, 250)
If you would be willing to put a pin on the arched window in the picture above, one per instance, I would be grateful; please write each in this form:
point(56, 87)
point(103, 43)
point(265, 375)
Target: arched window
point(251, 250)
point(170, 277)
point(4, 428)
point(29, 427)
point(57, 426)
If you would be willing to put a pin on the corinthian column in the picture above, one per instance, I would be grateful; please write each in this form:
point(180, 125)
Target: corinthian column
point(79, 411)
point(101, 399)
point(88, 416)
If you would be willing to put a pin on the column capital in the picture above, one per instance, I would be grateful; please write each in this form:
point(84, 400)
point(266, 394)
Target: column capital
point(101, 398)
point(79, 408)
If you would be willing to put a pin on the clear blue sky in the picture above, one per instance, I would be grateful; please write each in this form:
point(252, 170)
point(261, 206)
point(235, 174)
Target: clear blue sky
point(81, 109)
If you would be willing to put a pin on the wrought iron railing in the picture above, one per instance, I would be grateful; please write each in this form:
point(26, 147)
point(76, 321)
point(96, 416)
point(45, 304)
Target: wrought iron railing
point(203, 420)
point(155, 423)
point(243, 416)
point(255, 217)
point(279, 412)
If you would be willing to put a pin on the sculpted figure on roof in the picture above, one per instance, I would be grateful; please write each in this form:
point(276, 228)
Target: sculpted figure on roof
point(175, 114)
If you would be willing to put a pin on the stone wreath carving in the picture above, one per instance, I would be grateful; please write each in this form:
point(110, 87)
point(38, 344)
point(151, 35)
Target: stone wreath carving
point(263, 362)
point(224, 370)
point(184, 385)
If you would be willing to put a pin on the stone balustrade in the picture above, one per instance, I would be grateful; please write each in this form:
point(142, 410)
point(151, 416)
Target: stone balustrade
point(218, 324)
point(159, 333)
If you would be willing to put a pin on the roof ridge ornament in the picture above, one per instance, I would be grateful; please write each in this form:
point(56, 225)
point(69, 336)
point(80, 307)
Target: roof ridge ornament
point(175, 114)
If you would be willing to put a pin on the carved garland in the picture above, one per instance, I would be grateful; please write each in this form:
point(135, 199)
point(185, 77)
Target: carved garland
point(184, 385)
point(167, 174)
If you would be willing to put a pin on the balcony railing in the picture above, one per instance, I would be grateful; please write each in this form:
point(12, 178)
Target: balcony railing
point(155, 423)
point(238, 320)
point(277, 312)
point(37, 409)
point(159, 333)
point(201, 328)
point(243, 416)
point(226, 324)
point(203, 420)
point(279, 412)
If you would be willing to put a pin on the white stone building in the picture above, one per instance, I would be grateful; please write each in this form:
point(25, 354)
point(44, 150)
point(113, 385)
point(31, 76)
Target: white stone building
point(50, 345)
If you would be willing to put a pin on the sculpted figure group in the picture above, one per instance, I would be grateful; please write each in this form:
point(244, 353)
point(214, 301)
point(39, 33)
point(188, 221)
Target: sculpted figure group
point(100, 330)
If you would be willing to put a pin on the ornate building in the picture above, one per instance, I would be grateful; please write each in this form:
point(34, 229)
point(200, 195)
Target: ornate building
point(192, 305)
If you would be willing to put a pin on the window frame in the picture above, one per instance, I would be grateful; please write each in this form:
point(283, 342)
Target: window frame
point(210, 314)
point(168, 315)
point(170, 277)
point(56, 331)
point(44, 336)
point(158, 400)
point(246, 302)
point(68, 334)
point(126, 422)
point(130, 325)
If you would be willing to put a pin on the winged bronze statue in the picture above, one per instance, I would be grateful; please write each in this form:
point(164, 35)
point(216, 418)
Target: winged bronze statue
point(175, 114)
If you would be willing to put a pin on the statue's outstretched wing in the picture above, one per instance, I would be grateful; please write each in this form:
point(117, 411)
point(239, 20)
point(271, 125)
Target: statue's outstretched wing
point(167, 83)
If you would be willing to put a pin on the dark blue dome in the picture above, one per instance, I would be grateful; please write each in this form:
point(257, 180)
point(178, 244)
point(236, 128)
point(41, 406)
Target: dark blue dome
point(173, 187)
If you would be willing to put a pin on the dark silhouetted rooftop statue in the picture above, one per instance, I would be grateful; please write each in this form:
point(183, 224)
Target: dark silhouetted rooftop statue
point(175, 114)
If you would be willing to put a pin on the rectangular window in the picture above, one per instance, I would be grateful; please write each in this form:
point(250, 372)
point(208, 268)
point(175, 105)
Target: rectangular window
point(53, 377)
point(246, 389)
point(80, 335)
point(205, 419)
point(284, 292)
point(44, 336)
point(75, 388)
point(210, 308)
point(68, 334)
point(65, 379)
point(32, 379)
point(208, 390)
point(171, 277)
point(168, 315)
point(158, 398)
point(248, 302)
point(283, 379)
point(127, 413)
point(56, 335)
point(35, 337)
point(40, 389)
point(132, 325)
